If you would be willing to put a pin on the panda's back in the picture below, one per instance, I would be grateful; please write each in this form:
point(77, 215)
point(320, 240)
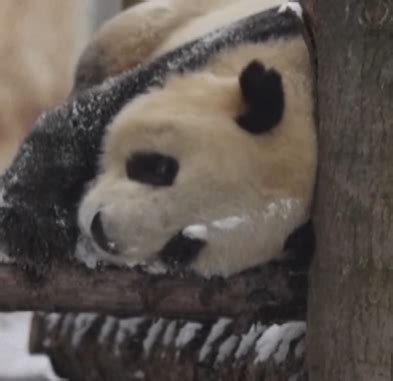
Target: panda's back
point(200, 26)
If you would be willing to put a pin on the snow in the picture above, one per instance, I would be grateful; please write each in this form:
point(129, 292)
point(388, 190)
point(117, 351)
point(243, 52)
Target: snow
point(112, 245)
point(226, 349)
point(127, 328)
point(107, 328)
point(4, 258)
point(267, 343)
point(67, 324)
point(290, 331)
point(51, 321)
point(300, 348)
point(229, 223)
point(271, 209)
point(169, 334)
point(196, 232)
point(85, 252)
point(152, 335)
point(293, 6)
point(186, 334)
point(139, 375)
point(15, 360)
point(248, 340)
point(201, 48)
point(215, 333)
point(153, 268)
point(276, 340)
point(283, 207)
point(82, 323)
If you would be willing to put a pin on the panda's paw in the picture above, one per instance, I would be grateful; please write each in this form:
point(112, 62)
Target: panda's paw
point(292, 6)
point(184, 247)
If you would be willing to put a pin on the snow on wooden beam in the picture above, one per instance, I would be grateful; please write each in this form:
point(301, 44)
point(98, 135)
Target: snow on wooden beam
point(139, 348)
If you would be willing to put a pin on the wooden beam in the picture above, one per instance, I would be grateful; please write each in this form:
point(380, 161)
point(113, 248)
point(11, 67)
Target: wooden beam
point(271, 292)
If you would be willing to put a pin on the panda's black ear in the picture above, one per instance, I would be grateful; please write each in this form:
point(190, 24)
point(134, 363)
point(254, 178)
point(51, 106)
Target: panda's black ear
point(263, 95)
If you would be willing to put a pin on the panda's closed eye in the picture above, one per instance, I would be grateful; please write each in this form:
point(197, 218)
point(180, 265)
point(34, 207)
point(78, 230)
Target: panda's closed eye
point(152, 168)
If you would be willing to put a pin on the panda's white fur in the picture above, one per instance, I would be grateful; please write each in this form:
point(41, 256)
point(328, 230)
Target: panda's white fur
point(217, 18)
point(242, 193)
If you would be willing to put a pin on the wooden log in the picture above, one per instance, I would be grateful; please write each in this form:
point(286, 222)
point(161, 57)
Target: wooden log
point(271, 292)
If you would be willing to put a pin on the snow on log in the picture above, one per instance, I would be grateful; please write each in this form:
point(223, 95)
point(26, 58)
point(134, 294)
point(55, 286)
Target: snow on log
point(141, 348)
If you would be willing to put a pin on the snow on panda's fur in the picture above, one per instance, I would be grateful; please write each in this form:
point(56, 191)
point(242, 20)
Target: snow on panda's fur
point(153, 27)
point(133, 36)
point(216, 169)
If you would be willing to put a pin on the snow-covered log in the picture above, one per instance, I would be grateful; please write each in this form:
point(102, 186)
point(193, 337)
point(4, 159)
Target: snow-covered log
point(97, 347)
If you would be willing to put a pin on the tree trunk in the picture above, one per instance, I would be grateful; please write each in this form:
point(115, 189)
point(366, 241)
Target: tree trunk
point(350, 316)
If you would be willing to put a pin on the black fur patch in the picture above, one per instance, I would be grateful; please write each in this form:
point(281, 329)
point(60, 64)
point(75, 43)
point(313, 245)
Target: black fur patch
point(264, 97)
point(300, 246)
point(260, 27)
point(180, 250)
point(88, 74)
point(152, 168)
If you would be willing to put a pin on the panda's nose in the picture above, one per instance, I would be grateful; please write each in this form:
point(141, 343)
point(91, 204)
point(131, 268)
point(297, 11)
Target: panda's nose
point(100, 237)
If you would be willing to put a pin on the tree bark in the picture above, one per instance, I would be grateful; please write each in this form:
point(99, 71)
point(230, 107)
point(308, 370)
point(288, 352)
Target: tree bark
point(272, 292)
point(350, 315)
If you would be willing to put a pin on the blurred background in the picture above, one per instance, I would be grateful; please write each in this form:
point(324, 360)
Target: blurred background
point(40, 41)
point(39, 45)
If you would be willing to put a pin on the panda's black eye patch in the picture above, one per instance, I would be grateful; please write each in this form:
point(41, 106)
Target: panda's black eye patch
point(152, 168)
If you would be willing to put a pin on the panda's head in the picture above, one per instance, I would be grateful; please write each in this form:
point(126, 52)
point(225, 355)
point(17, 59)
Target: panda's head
point(208, 172)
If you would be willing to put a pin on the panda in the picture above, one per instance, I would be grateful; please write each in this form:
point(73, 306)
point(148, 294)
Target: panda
point(215, 170)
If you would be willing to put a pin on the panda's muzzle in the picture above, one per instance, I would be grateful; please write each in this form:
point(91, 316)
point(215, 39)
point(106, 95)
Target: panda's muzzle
point(99, 236)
